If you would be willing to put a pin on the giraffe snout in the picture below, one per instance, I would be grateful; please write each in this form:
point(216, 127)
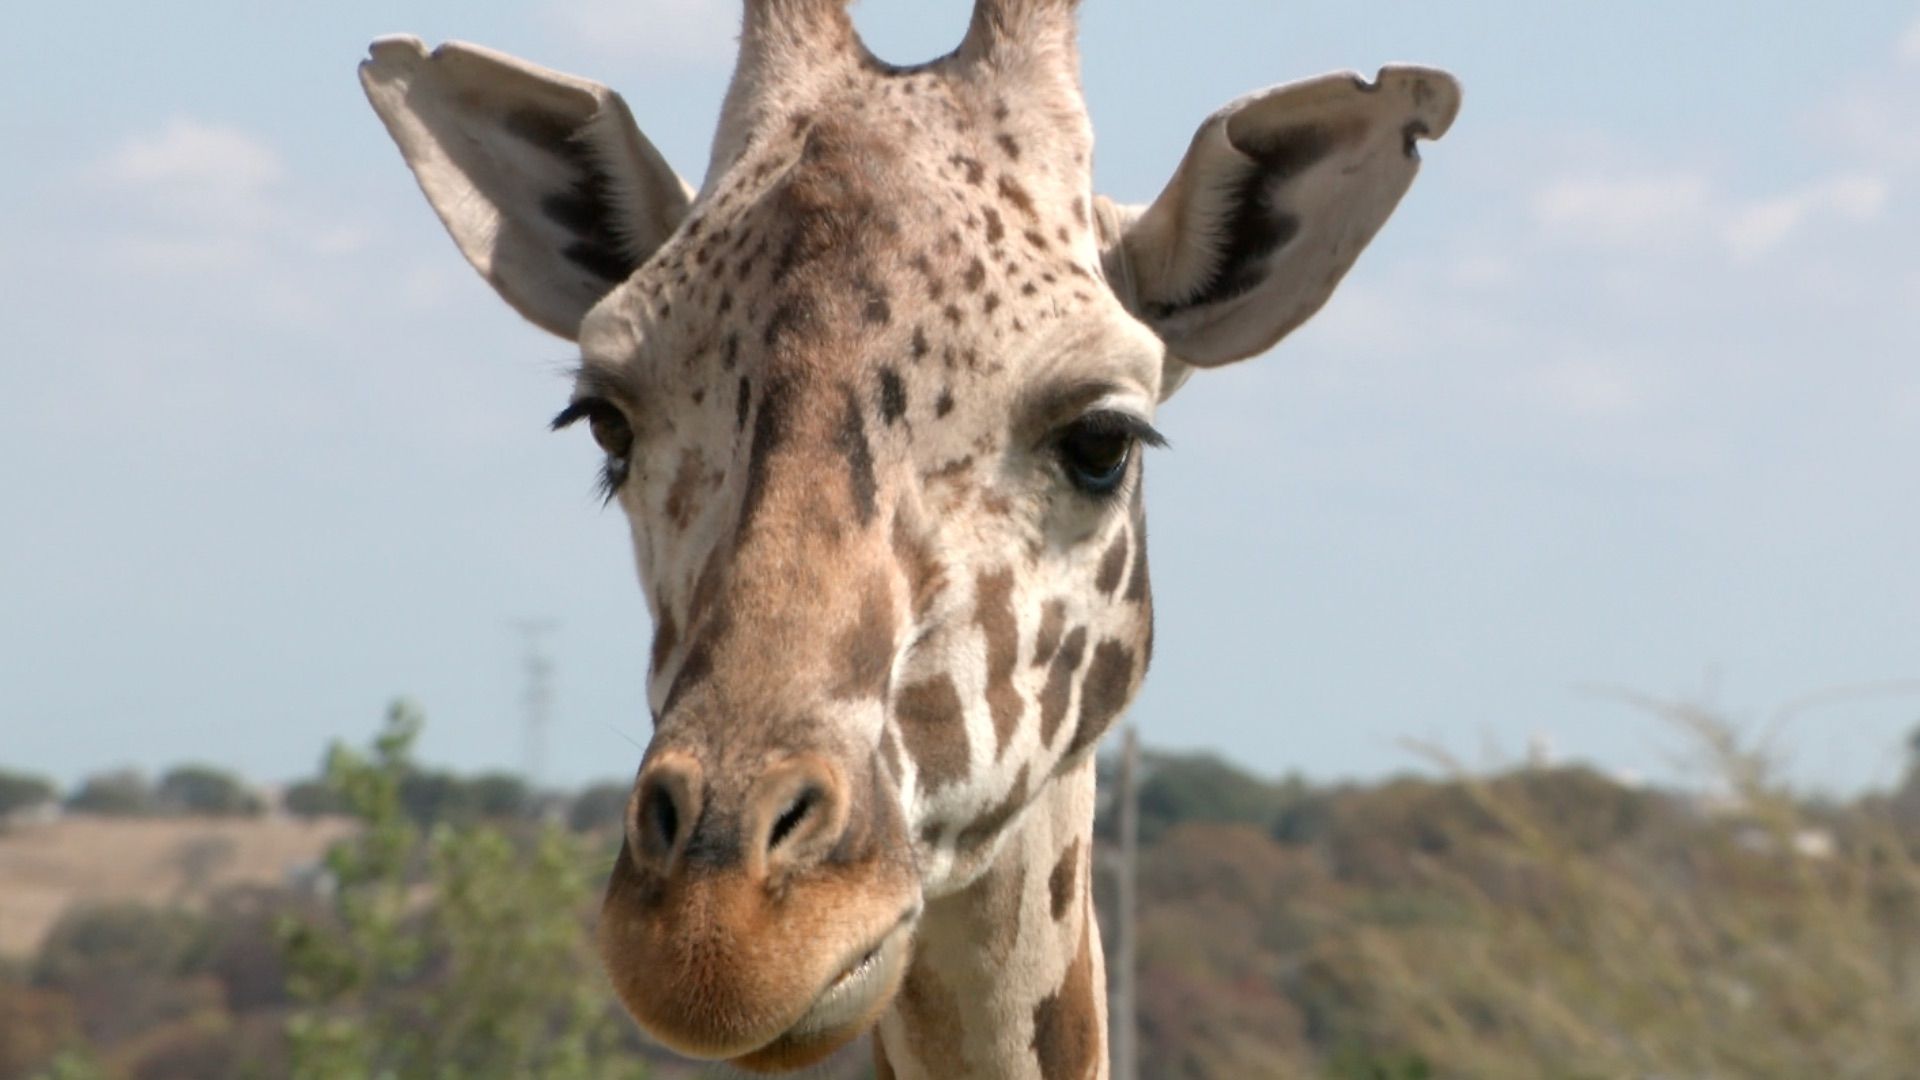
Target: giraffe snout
point(761, 913)
point(785, 820)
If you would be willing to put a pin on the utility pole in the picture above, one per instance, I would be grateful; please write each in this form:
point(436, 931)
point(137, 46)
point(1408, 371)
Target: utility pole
point(536, 699)
point(1125, 1022)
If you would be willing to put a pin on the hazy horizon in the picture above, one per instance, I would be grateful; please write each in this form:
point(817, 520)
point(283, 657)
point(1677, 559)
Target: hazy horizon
point(1624, 395)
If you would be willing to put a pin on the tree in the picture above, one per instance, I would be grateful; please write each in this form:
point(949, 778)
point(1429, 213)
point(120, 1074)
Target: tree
point(600, 807)
point(127, 968)
point(203, 789)
point(312, 799)
point(35, 1025)
point(498, 795)
point(24, 791)
point(488, 977)
point(1204, 788)
point(122, 793)
point(430, 797)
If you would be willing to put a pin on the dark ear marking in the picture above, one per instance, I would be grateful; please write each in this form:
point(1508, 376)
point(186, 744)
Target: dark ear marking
point(1254, 228)
point(586, 208)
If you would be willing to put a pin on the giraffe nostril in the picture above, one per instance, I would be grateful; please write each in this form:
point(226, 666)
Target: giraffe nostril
point(791, 818)
point(796, 812)
point(662, 817)
point(666, 807)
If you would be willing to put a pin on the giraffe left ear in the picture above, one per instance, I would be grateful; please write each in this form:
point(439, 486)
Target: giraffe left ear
point(1276, 198)
point(542, 179)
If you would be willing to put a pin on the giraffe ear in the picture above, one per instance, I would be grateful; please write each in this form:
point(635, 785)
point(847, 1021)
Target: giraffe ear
point(543, 180)
point(1276, 198)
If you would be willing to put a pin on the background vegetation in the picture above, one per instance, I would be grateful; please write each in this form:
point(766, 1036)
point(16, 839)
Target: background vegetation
point(1538, 922)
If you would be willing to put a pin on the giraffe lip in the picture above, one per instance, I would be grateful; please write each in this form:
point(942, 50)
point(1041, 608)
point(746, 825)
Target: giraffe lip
point(868, 975)
point(849, 1003)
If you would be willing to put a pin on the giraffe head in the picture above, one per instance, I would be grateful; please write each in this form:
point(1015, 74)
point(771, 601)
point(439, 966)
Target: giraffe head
point(873, 401)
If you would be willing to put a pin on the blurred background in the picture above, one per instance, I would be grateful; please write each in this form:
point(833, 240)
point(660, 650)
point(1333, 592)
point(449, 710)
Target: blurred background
point(1539, 628)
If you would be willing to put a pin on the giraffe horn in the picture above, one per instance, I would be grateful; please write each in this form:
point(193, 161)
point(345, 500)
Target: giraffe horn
point(786, 46)
point(781, 37)
point(1005, 31)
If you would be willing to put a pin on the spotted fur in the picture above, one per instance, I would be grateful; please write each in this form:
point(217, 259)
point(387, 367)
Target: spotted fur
point(892, 616)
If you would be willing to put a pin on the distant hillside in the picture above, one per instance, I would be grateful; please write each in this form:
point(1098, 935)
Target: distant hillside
point(49, 867)
point(1536, 923)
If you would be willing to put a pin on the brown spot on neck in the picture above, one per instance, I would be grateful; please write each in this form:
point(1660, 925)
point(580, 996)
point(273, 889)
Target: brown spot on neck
point(1066, 1023)
point(1060, 883)
point(1108, 688)
point(865, 650)
point(932, 1011)
point(1052, 625)
point(933, 727)
point(1058, 693)
point(993, 613)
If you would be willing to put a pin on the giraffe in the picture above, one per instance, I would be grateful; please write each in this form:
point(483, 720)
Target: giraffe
point(874, 401)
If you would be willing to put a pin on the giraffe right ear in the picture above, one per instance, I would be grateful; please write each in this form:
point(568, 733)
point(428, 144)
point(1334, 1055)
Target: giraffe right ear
point(543, 180)
point(1276, 198)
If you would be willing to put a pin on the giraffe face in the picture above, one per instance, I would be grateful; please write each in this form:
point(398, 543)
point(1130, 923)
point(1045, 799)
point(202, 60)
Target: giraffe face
point(877, 423)
point(874, 403)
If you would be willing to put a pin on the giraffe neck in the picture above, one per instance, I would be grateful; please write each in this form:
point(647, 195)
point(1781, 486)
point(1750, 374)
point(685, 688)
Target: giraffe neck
point(1007, 979)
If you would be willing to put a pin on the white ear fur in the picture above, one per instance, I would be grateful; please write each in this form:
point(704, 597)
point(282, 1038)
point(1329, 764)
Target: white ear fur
point(542, 179)
point(1276, 198)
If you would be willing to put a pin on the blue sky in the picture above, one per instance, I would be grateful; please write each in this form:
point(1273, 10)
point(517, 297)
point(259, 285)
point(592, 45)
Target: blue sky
point(1626, 394)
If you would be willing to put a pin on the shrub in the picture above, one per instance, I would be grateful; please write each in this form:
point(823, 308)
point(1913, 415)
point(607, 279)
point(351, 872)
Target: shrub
point(203, 789)
point(122, 793)
point(600, 808)
point(22, 791)
point(312, 799)
point(448, 952)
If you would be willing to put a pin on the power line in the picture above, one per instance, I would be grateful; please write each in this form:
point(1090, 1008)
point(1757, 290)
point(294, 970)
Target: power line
point(536, 699)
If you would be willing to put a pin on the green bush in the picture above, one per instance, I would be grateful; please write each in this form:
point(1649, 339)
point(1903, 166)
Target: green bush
point(203, 789)
point(125, 793)
point(600, 808)
point(312, 799)
point(23, 791)
point(448, 952)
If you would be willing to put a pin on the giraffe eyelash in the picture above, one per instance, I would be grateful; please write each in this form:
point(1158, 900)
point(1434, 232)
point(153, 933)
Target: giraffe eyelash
point(611, 431)
point(1097, 452)
point(1117, 422)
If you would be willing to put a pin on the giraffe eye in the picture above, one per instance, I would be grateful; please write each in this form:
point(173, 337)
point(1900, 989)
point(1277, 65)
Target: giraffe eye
point(608, 424)
point(1095, 449)
point(610, 429)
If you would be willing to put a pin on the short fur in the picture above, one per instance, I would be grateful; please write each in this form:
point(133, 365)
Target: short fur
point(855, 395)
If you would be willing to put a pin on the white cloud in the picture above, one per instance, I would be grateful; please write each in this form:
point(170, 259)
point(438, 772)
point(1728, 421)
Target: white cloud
point(682, 32)
point(199, 197)
point(196, 168)
point(1618, 210)
point(1656, 208)
point(1758, 227)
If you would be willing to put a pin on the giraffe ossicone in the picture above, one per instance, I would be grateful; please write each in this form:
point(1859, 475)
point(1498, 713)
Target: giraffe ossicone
point(873, 400)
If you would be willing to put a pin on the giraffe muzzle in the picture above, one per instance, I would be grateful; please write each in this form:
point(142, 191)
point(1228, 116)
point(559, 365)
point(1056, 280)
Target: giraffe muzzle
point(765, 920)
